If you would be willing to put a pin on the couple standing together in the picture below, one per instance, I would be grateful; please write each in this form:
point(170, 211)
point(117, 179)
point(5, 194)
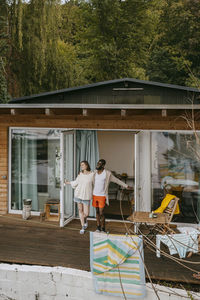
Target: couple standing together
point(93, 185)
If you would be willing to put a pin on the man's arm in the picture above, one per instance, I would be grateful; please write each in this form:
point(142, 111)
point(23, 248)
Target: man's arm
point(117, 181)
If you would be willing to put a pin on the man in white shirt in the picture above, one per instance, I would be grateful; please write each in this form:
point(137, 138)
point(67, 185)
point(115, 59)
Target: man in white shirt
point(102, 178)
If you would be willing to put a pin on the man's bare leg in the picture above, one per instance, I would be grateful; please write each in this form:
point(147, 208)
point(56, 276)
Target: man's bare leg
point(98, 218)
point(102, 218)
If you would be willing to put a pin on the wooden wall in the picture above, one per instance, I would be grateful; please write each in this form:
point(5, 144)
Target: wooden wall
point(3, 169)
point(98, 118)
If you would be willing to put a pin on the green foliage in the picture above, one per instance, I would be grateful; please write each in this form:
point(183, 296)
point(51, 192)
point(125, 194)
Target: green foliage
point(4, 97)
point(47, 57)
point(176, 51)
point(55, 45)
point(113, 40)
point(39, 45)
point(4, 48)
point(166, 64)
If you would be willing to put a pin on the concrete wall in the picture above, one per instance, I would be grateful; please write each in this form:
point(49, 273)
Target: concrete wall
point(22, 282)
point(117, 148)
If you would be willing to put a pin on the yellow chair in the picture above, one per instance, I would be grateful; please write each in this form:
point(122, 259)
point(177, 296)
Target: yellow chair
point(169, 206)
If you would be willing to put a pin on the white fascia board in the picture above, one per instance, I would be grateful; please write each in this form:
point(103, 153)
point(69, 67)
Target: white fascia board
point(102, 106)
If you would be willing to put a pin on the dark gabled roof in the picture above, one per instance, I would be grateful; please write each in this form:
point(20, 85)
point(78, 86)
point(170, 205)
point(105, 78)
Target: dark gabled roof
point(104, 83)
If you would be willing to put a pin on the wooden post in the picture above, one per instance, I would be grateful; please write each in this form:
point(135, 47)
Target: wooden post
point(123, 112)
point(49, 112)
point(13, 111)
point(164, 113)
point(85, 112)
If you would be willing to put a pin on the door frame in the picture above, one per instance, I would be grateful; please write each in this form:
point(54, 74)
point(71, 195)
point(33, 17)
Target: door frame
point(142, 188)
point(61, 130)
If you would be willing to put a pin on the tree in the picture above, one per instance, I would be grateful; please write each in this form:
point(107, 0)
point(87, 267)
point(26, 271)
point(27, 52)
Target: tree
point(45, 53)
point(55, 45)
point(39, 39)
point(4, 46)
point(175, 51)
point(115, 38)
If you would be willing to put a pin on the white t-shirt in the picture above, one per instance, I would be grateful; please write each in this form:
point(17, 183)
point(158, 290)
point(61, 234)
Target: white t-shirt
point(83, 186)
point(99, 184)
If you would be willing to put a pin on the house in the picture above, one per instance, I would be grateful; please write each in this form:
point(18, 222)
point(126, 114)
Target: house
point(143, 129)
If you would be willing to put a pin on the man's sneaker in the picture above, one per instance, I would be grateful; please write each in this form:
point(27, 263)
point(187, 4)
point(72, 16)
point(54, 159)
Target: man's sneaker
point(82, 231)
point(85, 226)
point(98, 229)
point(103, 229)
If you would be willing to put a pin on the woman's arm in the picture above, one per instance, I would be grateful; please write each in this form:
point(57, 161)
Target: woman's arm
point(67, 182)
point(73, 183)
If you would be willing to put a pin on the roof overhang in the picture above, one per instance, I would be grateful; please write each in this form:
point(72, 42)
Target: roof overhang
point(102, 106)
point(105, 116)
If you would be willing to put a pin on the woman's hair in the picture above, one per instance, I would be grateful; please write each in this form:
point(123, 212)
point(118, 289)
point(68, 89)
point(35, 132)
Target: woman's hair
point(87, 164)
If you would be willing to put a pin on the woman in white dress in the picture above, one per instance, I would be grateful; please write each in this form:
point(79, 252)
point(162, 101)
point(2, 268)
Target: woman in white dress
point(83, 186)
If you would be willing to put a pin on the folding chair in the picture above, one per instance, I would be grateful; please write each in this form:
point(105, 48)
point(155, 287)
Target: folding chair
point(170, 211)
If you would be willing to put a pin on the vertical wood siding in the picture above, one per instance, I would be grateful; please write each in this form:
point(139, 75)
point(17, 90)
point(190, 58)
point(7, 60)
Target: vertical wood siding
point(3, 170)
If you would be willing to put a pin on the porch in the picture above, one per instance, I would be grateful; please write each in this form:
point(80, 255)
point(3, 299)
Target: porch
point(33, 242)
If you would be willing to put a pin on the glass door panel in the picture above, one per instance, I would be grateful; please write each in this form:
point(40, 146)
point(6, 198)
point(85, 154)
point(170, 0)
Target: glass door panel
point(176, 169)
point(33, 167)
point(67, 172)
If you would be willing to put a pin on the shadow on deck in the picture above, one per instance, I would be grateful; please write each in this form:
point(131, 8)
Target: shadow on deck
point(43, 243)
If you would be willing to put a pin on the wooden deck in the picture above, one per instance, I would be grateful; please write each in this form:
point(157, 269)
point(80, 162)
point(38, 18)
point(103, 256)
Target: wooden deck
point(44, 243)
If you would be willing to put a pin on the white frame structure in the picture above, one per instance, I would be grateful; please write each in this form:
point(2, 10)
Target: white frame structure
point(137, 186)
point(61, 130)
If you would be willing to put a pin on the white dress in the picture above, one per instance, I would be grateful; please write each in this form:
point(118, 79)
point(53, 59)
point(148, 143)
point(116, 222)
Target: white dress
point(83, 186)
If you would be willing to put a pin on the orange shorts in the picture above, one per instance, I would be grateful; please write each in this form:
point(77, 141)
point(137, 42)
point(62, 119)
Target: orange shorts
point(99, 201)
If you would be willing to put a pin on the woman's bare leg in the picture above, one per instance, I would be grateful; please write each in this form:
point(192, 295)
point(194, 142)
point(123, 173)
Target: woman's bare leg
point(81, 213)
point(86, 210)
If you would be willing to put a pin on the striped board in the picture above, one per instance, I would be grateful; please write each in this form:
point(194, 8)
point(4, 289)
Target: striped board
point(116, 262)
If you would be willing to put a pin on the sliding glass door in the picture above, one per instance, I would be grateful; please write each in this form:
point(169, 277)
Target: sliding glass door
point(41, 159)
point(24, 169)
point(67, 205)
point(35, 167)
point(175, 168)
point(168, 162)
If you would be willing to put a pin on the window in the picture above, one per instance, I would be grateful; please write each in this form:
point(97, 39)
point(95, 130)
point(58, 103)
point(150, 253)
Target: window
point(34, 165)
point(176, 166)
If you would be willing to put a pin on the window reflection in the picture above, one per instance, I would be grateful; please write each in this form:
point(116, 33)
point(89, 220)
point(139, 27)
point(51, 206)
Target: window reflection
point(34, 169)
point(175, 163)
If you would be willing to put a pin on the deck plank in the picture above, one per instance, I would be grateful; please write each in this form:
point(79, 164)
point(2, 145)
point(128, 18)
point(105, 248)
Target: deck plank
point(36, 243)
